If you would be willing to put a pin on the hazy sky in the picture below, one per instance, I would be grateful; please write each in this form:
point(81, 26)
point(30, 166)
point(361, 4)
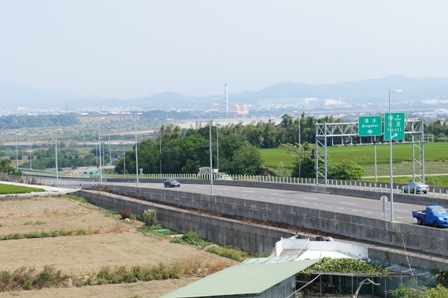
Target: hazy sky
point(128, 48)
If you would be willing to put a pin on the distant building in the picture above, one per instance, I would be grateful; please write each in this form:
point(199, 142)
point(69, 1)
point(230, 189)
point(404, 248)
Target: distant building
point(236, 109)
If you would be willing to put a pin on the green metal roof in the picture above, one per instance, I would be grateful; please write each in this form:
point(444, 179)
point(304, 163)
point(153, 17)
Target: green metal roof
point(243, 279)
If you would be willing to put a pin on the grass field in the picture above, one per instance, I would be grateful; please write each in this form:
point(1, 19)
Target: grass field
point(107, 243)
point(362, 155)
point(436, 159)
point(17, 189)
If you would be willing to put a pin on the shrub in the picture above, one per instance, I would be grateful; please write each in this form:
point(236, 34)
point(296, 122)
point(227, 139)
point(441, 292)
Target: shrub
point(125, 213)
point(191, 238)
point(149, 217)
point(227, 252)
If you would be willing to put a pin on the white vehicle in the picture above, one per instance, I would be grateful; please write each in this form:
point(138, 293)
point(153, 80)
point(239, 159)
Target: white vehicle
point(224, 176)
point(206, 171)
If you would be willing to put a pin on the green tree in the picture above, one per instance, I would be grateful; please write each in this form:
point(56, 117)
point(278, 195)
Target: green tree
point(5, 166)
point(246, 160)
point(346, 170)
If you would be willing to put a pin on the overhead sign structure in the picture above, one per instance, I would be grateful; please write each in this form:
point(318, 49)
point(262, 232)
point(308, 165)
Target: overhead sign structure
point(369, 126)
point(395, 121)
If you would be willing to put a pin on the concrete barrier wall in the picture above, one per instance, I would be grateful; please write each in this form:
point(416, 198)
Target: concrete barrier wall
point(413, 237)
point(360, 191)
point(249, 237)
point(226, 232)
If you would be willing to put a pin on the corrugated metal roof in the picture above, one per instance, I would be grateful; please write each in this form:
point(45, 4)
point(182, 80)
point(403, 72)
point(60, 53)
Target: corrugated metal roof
point(243, 279)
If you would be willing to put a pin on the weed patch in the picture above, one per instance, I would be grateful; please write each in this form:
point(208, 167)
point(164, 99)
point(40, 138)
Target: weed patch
point(228, 252)
point(36, 223)
point(46, 234)
point(191, 238)
point(29, 279)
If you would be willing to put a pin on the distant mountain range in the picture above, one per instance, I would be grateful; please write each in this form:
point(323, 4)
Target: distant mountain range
point(365, 91)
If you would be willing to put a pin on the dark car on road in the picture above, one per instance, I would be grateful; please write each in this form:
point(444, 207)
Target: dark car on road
point(171, 183)
point(416, 187)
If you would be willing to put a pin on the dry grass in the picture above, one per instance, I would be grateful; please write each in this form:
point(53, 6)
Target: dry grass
point(110, 243)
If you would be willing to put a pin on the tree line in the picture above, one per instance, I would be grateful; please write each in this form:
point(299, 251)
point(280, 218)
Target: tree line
point(235, 148)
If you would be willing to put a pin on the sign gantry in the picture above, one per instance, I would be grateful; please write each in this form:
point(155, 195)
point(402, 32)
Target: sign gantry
point(367, 126)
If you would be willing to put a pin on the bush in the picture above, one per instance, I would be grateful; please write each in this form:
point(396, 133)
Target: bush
point(228, 252)
point(149, 218)
point(191, 238)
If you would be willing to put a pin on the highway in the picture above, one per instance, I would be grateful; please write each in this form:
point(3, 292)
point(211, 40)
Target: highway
point(334, 203)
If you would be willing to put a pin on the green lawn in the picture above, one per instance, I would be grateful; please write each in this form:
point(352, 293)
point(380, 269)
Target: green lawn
point(436, 159)
point(401, 152)
point(17, 189)
point(276, 157)
point(362, 155)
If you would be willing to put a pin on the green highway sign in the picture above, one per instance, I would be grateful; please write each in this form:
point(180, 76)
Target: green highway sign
point(397, 125)
point(369, 126)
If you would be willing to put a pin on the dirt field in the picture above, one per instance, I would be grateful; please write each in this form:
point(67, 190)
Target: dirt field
point(110, 242)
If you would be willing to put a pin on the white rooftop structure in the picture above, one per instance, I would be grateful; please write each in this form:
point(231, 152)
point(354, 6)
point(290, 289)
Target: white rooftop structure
point(304, 249)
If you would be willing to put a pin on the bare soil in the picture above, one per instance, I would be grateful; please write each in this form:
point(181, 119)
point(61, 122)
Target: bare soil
point(111, 242)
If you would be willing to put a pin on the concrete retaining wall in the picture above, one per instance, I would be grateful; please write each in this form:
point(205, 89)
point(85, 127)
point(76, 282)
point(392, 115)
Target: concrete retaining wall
point(249, 237)
point(417, 238)
point(360, 191)
point(226, 232)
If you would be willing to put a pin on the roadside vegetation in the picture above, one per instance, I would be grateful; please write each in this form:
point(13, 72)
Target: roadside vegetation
point(34, 273)
point(249, 149)
point(17, 189)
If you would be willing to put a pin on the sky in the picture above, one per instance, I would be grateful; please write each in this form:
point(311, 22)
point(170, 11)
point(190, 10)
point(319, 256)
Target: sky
point(133, 48)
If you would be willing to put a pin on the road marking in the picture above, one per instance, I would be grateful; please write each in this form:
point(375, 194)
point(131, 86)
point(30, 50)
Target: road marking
point(310, 198)
point(349, 203)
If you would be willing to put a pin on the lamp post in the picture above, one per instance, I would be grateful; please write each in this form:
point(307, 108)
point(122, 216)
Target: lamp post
point(210, 149)
point(217, 147)
point(136, 151)
point(100, 154)
point(300, 157)
point(56, 156)
point(17, 155)
point(390, 158)
point(124, 158)
point(31, 159)
point(160, 150)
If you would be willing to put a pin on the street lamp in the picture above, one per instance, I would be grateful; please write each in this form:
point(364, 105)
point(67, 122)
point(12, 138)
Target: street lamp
point(31, 158)
point(390, 158)
point(160, 150)
point(56, 156)
point(136, 151)
point(100, 154)
point(17, 155)
point(210, 149)
point(217, 147)
point(124, 158)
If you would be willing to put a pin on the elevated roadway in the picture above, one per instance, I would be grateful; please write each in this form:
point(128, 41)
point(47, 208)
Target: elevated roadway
point(335, 203)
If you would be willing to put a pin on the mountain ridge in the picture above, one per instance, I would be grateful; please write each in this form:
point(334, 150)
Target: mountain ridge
point(363, 91)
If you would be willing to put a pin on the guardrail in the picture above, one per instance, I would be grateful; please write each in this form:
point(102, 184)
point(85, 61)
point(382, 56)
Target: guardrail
point(438, 192)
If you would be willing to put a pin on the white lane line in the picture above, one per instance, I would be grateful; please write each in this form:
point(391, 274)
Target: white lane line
point(350, 203)
point(401, 210)
point(310, 198)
